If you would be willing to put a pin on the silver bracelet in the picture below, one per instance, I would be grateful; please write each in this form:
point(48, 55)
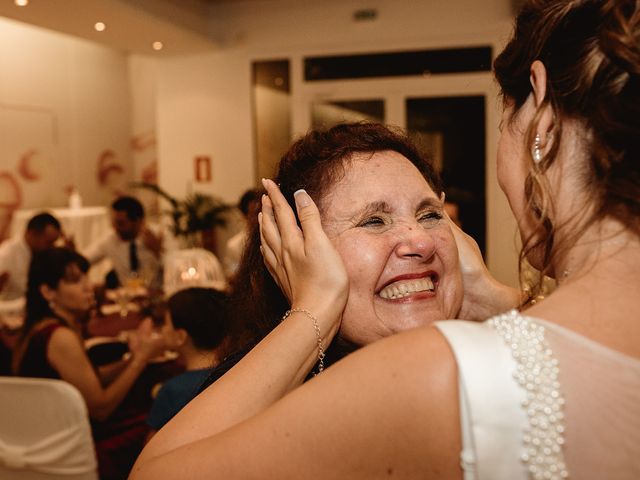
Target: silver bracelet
point(316, 327)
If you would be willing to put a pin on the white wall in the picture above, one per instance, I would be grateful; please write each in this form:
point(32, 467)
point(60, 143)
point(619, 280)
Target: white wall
point(143, 79)
point(63, 103)
point(204, 108)
point(204, 104)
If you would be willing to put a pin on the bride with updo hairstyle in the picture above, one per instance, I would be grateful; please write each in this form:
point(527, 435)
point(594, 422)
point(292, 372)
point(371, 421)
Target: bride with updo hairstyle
point(550, 390)
point(592, 57)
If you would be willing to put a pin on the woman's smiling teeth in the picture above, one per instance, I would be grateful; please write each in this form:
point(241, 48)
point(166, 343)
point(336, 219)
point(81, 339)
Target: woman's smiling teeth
point(404, 288)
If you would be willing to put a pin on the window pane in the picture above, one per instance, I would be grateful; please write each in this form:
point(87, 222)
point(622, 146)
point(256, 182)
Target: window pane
point(452, 130)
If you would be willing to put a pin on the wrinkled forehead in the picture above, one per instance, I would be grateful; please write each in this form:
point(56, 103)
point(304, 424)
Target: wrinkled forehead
point(373, 177)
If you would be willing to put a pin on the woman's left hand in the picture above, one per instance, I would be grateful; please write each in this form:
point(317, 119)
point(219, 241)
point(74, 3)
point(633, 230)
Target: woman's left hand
point(303, 261)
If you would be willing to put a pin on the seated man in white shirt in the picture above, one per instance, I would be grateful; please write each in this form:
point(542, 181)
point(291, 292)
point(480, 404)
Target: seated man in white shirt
point(134, 250)
point(42, 232)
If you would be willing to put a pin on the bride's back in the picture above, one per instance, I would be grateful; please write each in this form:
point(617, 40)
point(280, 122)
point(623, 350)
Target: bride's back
point(593, 329)
point(601, 389)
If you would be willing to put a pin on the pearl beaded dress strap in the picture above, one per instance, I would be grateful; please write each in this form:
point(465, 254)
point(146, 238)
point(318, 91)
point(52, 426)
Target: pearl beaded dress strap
point(512, 416)
point(537, 373)
point(541, 401)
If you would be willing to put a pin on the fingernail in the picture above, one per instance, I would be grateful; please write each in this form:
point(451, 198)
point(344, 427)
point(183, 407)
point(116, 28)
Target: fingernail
point(260, 218)
point(302, 198)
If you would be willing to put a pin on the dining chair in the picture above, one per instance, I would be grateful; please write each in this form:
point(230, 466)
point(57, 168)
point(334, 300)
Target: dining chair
point(44, 431)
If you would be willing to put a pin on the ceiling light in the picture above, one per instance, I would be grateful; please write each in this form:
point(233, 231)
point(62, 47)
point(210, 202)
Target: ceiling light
point(100, 27)
point(157, 45)
point(21, 3)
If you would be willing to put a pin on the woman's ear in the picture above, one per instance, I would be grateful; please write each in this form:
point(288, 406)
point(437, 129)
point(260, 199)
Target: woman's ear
point(538, 79)
point(47, 292)
point(181, 336)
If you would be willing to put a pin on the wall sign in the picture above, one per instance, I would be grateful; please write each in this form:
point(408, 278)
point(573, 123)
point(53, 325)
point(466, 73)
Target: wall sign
point(202, 168)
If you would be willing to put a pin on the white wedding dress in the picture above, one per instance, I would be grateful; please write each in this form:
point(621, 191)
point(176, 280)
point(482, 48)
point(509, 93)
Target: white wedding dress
point(540, 401)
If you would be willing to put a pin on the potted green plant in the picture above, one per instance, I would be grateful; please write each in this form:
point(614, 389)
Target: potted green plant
point(194, 218)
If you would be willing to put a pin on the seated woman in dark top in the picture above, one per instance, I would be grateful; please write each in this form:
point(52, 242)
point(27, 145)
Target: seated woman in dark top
point(59, 296)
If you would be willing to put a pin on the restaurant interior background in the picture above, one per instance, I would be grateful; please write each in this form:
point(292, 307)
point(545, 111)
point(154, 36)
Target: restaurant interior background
point(233, 83)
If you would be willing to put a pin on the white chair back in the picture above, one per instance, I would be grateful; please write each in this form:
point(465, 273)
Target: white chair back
point(44, 431)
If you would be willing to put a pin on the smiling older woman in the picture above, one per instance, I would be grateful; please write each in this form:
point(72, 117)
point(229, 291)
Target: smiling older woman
point(381, 205)
point(388, 226)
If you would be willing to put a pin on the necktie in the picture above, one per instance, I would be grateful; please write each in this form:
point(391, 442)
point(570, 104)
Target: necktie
point(134, 263)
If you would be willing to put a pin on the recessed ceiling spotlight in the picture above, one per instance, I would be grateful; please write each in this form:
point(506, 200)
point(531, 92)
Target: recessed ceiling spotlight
point(157, 45)
point(100, 27)
point(21, 3)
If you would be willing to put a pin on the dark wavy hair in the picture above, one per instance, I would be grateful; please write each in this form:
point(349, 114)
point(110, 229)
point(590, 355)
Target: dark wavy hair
point(315, 162)
point(47, 267)
point(203, 313)
point(591, 50)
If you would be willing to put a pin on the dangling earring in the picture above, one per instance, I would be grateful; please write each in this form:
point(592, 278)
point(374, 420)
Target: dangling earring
point(52, 305)
point(537, 153)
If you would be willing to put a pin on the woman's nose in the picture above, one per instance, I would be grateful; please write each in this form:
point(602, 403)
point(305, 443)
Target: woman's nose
point(415, 242)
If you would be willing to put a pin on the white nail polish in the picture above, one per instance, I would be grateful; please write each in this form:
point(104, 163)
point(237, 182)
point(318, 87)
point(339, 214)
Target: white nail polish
point(302, 198)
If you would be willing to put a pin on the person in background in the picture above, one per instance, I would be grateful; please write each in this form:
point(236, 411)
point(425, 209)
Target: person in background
point(42, 232)
point(134, 250)
point(249, 205)
point(196, 327)
point(59, 298)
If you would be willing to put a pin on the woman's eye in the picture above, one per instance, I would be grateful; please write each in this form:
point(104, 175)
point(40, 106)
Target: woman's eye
point(371, 222)
point(430, 217)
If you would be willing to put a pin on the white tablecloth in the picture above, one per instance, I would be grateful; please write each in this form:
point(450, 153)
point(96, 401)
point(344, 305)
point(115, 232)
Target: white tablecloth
point(12, 313)
point(84, 224)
